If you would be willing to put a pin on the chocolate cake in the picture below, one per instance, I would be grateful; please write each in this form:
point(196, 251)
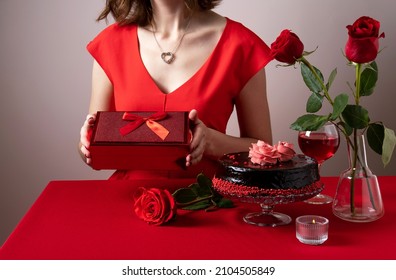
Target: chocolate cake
point(238, 176)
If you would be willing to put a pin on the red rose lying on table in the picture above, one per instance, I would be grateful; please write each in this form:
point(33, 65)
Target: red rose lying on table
point(154, 206)
point(158, 206)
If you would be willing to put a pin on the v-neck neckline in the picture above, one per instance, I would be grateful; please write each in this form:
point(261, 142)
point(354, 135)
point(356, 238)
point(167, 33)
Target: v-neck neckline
point(193, 76)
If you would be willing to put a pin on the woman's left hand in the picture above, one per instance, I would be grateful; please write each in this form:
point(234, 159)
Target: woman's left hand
point(199, 139)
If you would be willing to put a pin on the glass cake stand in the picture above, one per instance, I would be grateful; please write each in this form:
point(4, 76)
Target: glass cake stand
point(267, 217)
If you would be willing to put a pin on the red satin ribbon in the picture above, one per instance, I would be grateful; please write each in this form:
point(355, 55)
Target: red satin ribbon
point(150, 121)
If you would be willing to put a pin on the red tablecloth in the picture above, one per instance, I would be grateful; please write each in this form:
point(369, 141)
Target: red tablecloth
point(94, 220)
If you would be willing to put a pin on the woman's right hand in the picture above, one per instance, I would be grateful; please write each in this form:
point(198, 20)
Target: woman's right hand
point(85, 137)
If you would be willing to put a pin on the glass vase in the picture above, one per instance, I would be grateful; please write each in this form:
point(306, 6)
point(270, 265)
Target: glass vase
point(358, 197)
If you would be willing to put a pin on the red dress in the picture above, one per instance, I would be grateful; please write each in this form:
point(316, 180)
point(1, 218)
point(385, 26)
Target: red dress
point(237, 57)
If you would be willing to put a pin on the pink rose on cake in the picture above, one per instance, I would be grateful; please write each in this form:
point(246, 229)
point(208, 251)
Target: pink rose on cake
point(285, 150)
point(263, 153)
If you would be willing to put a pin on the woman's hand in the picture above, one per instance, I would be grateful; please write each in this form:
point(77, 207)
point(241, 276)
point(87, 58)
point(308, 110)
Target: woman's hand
point(199, 139)
point(85, 137)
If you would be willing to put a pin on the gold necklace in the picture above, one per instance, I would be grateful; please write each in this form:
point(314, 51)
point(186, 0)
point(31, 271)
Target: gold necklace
point(169, 56)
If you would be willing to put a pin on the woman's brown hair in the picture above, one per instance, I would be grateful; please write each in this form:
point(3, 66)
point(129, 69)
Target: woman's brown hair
point(140, 11)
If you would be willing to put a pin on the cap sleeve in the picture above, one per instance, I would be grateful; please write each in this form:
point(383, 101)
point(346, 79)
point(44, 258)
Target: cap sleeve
point(108, 48)
point(253, 52)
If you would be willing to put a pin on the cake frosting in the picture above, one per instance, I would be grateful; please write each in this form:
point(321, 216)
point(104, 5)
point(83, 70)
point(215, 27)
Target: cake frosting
point(267, 170)
point(265, 154)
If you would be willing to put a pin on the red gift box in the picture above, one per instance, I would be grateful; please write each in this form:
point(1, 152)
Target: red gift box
point(140, 140)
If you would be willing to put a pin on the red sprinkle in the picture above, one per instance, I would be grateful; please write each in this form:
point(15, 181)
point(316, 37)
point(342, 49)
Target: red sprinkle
point(232, 189)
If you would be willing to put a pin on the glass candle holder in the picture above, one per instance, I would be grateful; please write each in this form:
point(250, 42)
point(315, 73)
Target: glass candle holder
point(311, 229)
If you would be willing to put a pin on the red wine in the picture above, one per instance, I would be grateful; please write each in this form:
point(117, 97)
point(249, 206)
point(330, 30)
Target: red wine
point(318, 145)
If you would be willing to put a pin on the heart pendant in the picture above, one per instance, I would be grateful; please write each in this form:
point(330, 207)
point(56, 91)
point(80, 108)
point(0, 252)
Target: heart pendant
point(168, 57)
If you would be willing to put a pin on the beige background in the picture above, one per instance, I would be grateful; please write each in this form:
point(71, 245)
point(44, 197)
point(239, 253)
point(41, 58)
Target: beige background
point(45, 82)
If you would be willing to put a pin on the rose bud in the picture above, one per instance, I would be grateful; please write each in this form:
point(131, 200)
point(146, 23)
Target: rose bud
point(287, 47)
point(362, 45)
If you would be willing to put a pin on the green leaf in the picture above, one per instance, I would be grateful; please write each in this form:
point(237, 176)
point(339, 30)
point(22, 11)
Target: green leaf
point(185, 195)
point(368, 79)
point(333, 74)
point(388, 146)
point(203, 180)
point(348, 130)
point(310, 79)
point(205, 185)
point(199, 205)
point(340, 102)
point(195, 188)
point(225, 203)
point(201, 191)
point(212, 207)
point(306, 53)
point(375, 137)
point(309, 122)
point(314, 103)
point(356, 116)
point(200, 195)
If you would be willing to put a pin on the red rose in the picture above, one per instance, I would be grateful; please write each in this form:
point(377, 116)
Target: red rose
point(287, 47)
point(154, 206)
point(362, 45)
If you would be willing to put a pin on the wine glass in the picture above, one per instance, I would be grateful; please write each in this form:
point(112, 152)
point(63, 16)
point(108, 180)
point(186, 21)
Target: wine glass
point(321, 145)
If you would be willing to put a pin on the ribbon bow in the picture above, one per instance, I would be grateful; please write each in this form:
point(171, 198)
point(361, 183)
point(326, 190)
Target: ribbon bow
point(150, 121)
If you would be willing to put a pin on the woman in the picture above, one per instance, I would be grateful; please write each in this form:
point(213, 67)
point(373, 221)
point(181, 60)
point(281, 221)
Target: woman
point(179, 55)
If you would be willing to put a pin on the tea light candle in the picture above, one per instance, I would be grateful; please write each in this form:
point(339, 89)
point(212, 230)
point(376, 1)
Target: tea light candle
point(311, 229)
